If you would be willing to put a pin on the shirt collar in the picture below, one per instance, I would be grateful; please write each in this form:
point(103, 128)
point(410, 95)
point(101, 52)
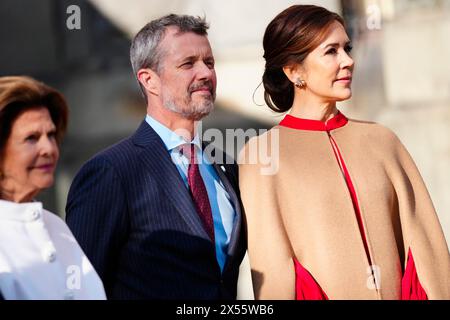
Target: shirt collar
point(339, 120)
point(29, 211)
point(170, 138)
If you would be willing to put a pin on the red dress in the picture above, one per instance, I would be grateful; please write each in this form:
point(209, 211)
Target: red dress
point(306, 286)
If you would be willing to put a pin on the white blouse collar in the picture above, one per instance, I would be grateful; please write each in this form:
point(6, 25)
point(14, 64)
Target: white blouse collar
point(29, 211)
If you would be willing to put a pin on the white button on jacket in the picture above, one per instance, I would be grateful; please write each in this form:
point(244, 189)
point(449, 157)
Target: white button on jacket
point(40, 258)
point(49, 254)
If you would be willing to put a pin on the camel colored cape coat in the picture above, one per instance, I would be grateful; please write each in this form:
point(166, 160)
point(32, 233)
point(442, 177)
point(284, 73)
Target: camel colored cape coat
point(298, 205)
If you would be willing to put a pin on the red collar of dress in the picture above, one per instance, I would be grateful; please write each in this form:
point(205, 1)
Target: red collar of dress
point(292, 122)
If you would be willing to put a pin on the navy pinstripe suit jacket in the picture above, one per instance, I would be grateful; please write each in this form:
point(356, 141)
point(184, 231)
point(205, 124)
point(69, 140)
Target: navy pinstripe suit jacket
point(135, 220)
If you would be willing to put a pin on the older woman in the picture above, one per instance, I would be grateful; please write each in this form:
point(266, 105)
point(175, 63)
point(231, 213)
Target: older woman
point(346, 215)
point(39, 257)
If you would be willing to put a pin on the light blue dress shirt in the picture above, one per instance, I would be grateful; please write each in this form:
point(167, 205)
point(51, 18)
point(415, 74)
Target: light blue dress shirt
point(221, 207)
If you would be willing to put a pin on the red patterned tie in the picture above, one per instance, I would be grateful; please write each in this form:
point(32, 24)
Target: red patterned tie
point(198, 190)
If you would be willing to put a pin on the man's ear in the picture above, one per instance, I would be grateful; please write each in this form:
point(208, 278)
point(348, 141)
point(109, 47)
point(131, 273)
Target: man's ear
point(150, 80)
point(294, 72)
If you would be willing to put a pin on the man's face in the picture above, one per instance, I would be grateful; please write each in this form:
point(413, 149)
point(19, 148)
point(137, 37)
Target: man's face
point(186, 71)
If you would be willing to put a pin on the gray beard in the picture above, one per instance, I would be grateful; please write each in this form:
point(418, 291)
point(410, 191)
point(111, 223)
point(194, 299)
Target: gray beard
point(195, 112)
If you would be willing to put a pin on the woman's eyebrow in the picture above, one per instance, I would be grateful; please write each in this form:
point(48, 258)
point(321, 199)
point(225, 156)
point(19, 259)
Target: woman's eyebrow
point(336, 44)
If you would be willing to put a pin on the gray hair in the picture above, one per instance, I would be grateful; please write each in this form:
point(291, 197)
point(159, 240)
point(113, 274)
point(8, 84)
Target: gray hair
point(144, 52)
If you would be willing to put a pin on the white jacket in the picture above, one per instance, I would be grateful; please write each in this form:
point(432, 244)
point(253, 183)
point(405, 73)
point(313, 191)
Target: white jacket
point(40, 258)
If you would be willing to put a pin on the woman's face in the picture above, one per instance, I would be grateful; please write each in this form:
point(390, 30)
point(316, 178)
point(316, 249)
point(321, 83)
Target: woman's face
point(30, 155)
point(328, 69)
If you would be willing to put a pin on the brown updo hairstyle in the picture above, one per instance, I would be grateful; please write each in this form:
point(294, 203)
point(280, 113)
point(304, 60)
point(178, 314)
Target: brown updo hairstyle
point(288, 39)
point(20, 93)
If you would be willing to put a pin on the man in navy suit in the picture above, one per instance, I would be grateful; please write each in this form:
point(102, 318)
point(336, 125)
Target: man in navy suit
point(156, 215)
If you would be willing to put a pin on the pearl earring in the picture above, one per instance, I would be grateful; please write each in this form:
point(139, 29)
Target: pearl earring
point(300, 84)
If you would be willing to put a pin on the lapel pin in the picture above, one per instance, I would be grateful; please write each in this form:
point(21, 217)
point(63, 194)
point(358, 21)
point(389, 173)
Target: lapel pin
point(223, 168)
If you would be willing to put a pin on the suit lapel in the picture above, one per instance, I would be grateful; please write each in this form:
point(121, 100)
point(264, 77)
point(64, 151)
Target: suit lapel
point(157, 161)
